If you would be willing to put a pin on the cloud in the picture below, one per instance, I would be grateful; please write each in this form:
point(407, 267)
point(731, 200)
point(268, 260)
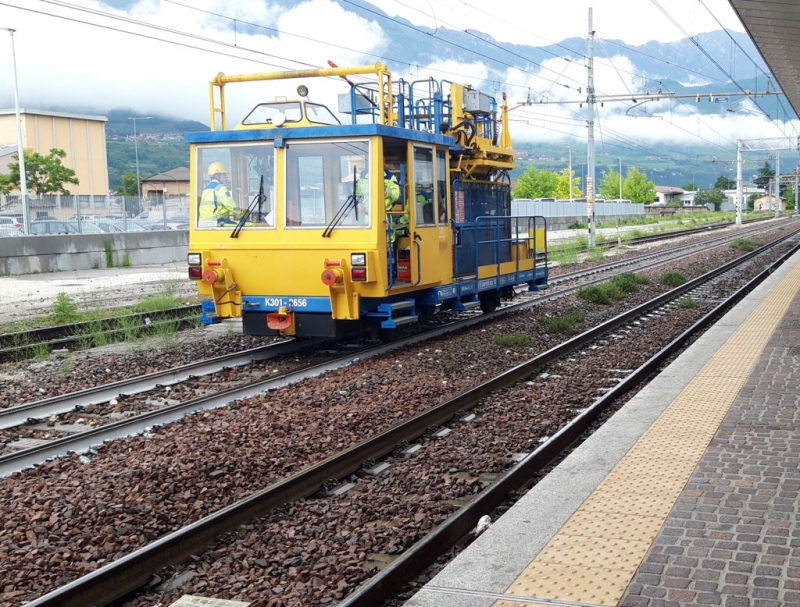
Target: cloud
point(153, 68)
point(70, 63)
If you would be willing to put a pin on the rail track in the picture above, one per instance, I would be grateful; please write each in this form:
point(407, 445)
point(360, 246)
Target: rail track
point(32, 342)
point(25, 344)
point(153, 400)
point(99, 586)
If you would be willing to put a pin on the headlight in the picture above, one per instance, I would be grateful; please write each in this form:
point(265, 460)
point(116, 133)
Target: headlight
point(195, 259)
point(358, 259)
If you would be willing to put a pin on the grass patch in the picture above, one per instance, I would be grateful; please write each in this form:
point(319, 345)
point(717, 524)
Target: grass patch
point(168, 298)
point(92, 336)
point(745, 245)
point(513, 341)
point(41, 352)
point(65, 310)
point(563, 258)
point(130, 329)
point(562, 324)
point(615, 289)
point(109, 254)
point(687, 304)
point(672, 278)
point(595, 254)
point(166, 335)
point(68, 366)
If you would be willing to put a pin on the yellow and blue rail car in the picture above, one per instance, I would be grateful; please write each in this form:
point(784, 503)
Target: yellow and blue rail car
point(304, 224)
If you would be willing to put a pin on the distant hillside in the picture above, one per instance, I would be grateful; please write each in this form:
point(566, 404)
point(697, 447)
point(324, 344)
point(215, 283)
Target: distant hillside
point(120, 124)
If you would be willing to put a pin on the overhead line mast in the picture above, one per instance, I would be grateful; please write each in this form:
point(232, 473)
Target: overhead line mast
point(590, 143)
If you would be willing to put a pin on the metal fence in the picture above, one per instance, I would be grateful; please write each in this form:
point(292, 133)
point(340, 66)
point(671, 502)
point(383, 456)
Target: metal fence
point(522, 207)
point(89, 214)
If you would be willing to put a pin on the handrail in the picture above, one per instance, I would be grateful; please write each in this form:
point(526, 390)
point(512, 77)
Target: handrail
point(385, 103)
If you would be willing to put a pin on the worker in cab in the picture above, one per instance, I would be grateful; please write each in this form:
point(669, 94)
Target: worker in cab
point(398, 222)
point(217, 206)
point(425, 215)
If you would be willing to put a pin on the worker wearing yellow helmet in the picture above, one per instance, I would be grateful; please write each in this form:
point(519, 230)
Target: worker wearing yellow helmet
point(216, 201)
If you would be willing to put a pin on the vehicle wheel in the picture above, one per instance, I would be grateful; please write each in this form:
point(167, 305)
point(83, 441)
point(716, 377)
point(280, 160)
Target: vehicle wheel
point(387, 336)
point(425, 313)
point(489, 301)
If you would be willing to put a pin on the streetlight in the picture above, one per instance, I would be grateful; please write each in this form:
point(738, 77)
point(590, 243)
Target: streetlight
point(136, 150)
point(23, 178)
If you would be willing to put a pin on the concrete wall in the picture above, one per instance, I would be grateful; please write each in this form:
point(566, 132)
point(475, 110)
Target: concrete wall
point(27, 254)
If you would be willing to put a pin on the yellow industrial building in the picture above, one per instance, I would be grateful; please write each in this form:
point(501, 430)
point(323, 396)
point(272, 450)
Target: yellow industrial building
point(82, 137)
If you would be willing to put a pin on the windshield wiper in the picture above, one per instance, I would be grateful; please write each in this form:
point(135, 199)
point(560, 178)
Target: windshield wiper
point(259, 200)
point(343, 210)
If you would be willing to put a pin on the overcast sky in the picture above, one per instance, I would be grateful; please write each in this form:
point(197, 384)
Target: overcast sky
point(64, 61)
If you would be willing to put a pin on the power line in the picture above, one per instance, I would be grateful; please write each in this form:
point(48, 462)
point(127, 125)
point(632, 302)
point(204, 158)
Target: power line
point(702, 50)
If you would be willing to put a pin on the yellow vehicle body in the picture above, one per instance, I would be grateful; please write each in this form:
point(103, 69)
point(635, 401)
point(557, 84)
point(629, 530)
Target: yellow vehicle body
point(319, 249)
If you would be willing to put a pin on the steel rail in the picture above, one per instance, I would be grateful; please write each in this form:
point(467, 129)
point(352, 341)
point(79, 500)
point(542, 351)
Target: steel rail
point(20, 414)
point(16, 344)
point(134, 570)
point(13, 462)
point(386, 583)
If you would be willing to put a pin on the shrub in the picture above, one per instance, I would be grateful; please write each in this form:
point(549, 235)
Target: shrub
point(594, 293)
point(687, 304)
point(64, 310)
point(672, 278)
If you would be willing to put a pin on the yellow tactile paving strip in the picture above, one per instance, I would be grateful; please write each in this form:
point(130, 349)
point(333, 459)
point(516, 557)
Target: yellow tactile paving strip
point(593, 557)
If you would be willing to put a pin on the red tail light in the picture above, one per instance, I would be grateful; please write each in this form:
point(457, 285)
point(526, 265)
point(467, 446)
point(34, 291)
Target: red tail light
point(196, 273)
point(358, 274)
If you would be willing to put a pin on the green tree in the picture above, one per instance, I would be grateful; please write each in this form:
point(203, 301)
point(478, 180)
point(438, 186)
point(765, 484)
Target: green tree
point(609, 185)
point(637, 188)
point(723, 183)
point(44, 174)
point(765, 175)
point(536, 183)
point(562, 185)
point(713, 196)
point(130, 186)
point(690, 186)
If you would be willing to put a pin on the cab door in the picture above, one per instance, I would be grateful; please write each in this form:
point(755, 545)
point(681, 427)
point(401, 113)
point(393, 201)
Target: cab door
point(428, 229)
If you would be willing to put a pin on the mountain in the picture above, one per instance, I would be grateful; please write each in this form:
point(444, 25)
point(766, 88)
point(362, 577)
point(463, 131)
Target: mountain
point(120, 124)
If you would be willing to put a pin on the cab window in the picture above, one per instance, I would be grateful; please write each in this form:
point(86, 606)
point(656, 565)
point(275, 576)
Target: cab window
point(441, 185)
point(229, 178)
point(320, 114)
point(321, 178)
point(424, 199)
point(263, 113)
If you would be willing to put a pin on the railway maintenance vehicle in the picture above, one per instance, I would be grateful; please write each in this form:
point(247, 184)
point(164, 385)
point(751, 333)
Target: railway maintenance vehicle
point(313, 222)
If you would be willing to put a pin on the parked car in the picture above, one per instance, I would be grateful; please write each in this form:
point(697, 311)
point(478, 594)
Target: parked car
point(56, 226)
point(14, 217)
point(9, 227)
point(178, 222)
point(117, 225)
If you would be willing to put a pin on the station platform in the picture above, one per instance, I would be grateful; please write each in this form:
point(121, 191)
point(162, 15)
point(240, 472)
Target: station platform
point(688, 495)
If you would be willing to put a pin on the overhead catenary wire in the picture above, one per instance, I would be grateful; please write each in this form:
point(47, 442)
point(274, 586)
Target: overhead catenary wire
point(707, 54)
point(238, 47)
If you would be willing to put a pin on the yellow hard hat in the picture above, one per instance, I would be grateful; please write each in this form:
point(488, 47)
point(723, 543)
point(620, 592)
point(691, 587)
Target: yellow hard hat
point(217, 167)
